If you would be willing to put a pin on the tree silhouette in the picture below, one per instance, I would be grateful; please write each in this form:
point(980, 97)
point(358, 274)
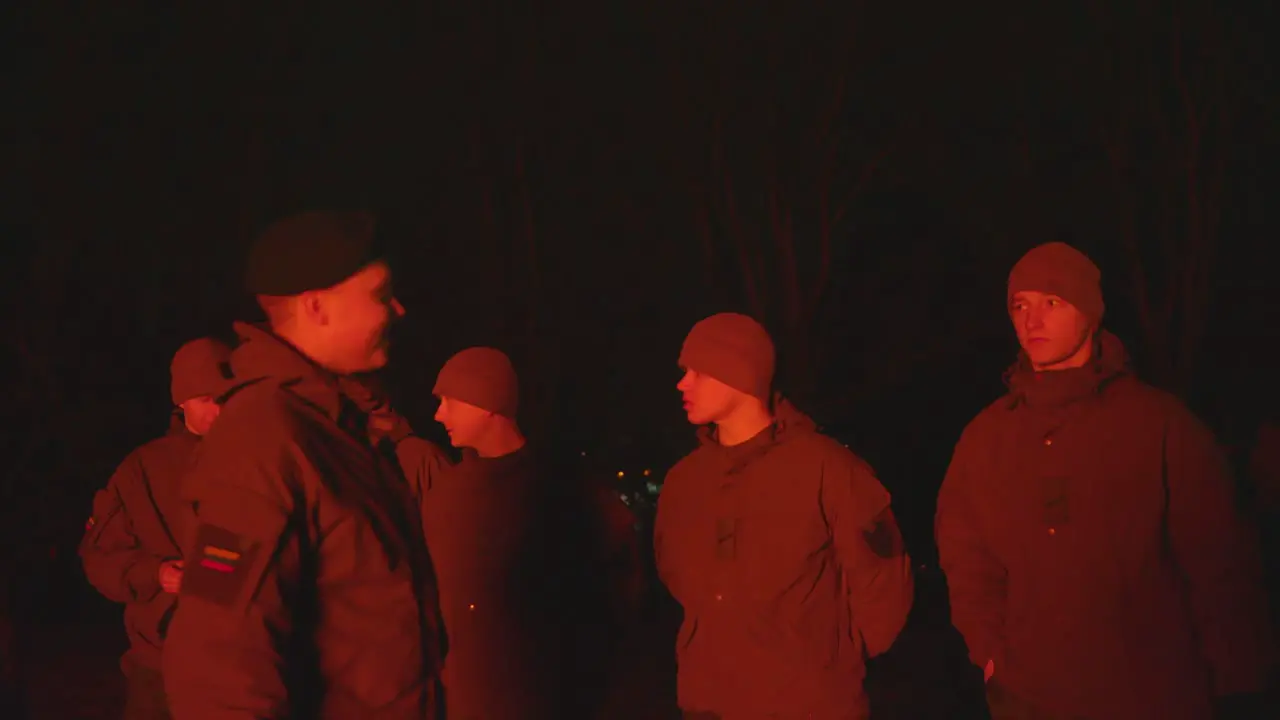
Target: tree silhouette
point(1163, 115)
point(772, 156)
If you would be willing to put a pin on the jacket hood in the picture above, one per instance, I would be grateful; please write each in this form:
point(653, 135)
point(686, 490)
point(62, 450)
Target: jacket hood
point(787, 419)
point(1110, 361)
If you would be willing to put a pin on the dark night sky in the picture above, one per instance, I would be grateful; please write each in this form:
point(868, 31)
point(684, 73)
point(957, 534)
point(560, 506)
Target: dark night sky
point(547, 180)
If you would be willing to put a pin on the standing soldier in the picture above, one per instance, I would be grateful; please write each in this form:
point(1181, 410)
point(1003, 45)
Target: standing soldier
point(310, 592)
point(1096, 562)
point(487, 536)
point(779, 543)
point(131, 548)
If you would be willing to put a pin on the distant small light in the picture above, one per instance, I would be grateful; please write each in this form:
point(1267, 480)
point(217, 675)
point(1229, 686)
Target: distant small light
point(471, 606)
point(584, 453)
point(621, 474)
point(646, 472)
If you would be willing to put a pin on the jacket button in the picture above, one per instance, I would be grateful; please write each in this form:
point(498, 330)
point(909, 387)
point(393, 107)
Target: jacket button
point(1052, 531)
point(1048, 442)
point(472, 606)
point(719, 596)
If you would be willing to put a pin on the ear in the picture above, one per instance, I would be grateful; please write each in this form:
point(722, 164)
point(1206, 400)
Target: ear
point(314, 307)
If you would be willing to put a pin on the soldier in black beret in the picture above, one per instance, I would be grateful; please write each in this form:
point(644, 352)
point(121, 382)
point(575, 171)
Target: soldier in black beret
point(308, 591)
point(322, 280)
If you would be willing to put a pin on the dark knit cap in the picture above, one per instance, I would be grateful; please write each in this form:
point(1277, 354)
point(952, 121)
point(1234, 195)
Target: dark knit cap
point(1058, 269)
point(310, 251)
point(734, 349)
point(483, 377)
point(200, 368)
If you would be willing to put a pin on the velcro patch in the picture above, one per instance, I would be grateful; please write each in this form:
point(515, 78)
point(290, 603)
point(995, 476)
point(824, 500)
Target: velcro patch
point(222, 567)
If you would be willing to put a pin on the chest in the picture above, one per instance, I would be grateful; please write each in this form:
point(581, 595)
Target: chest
point(362, 515)
point(156, 506)
point(479, 530)
point(762, 517)
point(1085, 487)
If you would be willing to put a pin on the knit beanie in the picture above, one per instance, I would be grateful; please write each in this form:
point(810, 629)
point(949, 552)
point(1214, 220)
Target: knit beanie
point(734, 349)
point(200, 368)
point(483, 377)
point(1058, 269)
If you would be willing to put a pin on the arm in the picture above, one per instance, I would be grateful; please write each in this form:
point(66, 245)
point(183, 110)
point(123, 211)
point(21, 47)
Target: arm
point(114, 560)
point(874, 563)
point(422, 463)
point(975, 577)
point(224, 656)
point(1218, 553)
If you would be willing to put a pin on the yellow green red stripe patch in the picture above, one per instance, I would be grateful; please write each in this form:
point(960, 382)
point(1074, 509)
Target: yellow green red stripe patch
point(222, 553)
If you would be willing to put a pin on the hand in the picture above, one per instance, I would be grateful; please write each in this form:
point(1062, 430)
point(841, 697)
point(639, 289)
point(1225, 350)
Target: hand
point(988, 671)
point(171, 576)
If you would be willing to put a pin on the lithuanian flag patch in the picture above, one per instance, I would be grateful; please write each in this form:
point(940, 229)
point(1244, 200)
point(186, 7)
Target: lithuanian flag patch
point(223, 567)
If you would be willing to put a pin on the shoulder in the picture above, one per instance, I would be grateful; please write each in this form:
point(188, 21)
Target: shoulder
point(836, 463)
point(689, 465)
point(1137, 396)
point(261, 417)
point(830, 451)
point(150, 454)
point(414, 449)
point(171, 447)
point(150, 449)
point(259, 442)
point(1150, 407)
point(992, 418)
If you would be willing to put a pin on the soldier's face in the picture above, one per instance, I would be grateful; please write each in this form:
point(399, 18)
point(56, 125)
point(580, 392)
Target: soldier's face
point(1053, 332)
point(199, 414)
point(706, 399)
point(464, 422)
point(356, 315)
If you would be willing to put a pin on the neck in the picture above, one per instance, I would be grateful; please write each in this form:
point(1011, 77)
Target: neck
point(300, 340)
point(190, 429)
point(1077, 359)
point(503, 440)
point(744, 424)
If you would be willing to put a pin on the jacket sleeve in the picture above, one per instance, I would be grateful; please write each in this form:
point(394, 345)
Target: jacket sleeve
point(875, 566)
point(422, 463)
point(1218, 552)
point(976, 579)
point(113, 558)
point(225, 653)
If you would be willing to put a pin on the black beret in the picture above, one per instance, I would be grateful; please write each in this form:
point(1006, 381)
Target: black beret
point(310, 251)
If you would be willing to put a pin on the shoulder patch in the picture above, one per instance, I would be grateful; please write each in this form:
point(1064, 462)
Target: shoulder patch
point(222, 567)
point(883, 537)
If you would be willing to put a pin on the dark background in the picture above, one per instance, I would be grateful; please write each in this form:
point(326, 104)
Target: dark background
point(578, 185)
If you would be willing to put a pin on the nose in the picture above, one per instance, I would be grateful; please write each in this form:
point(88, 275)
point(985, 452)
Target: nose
point(685, 382)
point(440, 413)
point(396, 308)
